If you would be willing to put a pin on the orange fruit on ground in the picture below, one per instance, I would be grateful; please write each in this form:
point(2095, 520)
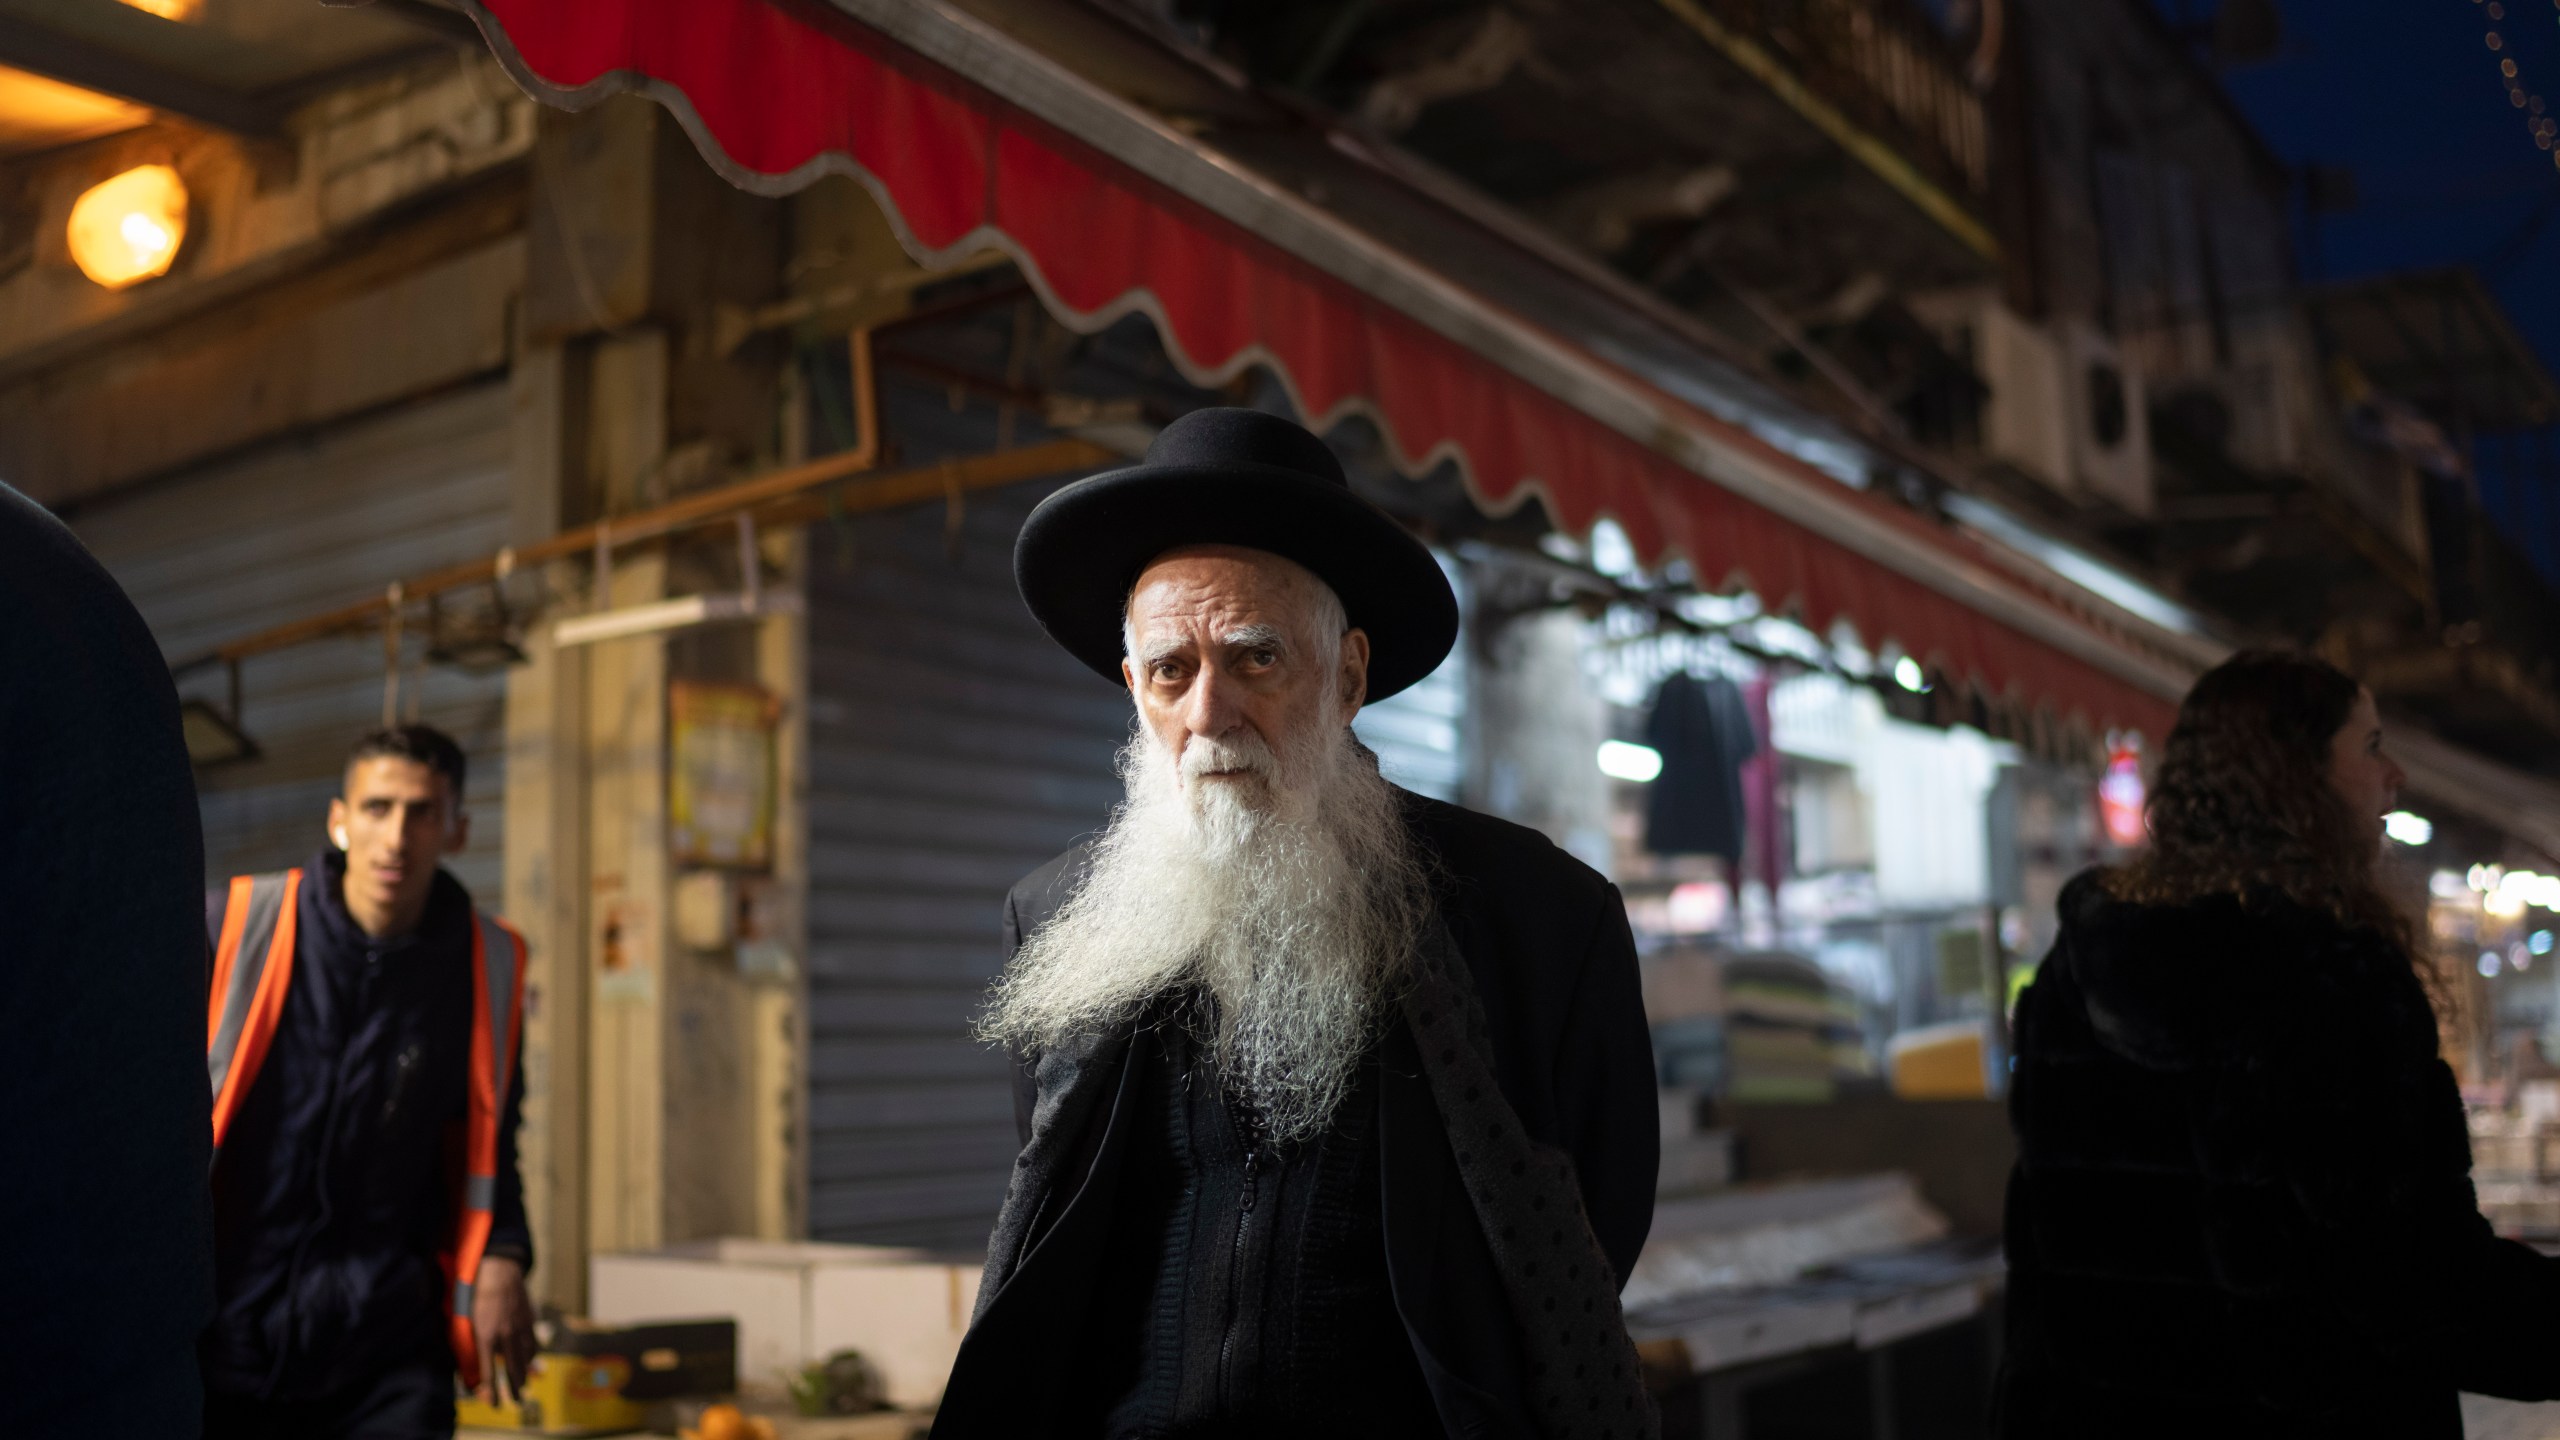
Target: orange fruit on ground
point(724, 1422)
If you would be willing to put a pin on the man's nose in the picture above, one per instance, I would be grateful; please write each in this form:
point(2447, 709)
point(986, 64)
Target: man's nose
point(1210, 709)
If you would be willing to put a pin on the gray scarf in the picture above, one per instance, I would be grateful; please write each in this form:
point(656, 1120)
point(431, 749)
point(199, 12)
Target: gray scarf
point(1583, 1381)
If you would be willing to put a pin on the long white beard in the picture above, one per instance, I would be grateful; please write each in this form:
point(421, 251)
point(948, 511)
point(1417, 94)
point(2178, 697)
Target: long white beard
point(1291, 897)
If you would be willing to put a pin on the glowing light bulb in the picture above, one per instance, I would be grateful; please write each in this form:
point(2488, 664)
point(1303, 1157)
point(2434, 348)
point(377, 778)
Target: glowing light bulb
point(1620, 760)
point(2407, 828)
point(128, 229)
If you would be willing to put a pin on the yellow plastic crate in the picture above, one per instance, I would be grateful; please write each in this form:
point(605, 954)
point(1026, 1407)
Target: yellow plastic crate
point(565, 1395)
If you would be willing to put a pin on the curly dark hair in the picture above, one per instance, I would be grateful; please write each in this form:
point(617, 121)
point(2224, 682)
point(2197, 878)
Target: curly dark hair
point(2242, 803)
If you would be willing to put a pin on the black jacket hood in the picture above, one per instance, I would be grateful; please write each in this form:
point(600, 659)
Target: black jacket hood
point(2175, 986)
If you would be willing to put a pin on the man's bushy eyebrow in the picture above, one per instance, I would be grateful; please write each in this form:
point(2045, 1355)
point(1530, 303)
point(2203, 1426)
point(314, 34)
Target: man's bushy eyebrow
point(1257, 636)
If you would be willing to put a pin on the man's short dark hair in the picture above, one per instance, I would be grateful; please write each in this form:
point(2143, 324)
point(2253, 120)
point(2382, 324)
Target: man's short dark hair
point(424, 744)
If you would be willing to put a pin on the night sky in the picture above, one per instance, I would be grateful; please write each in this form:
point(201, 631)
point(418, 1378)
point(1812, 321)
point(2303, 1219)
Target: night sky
point(2408, 95)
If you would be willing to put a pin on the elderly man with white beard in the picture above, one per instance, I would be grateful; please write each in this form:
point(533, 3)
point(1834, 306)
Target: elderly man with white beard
point(1337, 1103)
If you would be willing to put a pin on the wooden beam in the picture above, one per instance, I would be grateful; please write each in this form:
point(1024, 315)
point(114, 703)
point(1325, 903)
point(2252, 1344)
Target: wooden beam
point(92, 66)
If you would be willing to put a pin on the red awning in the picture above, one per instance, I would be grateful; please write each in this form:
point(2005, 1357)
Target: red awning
point(780, 92)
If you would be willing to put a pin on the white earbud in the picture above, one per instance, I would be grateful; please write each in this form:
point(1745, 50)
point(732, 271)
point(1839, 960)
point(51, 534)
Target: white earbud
point(339, 834)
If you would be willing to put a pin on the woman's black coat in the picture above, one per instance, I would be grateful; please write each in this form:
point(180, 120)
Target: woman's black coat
point(2243, 1199)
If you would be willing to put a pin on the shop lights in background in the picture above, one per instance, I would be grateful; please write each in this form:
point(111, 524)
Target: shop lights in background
point(2489, 962)
point(184, 11)
point(1908, 674)
point(2121, 797)
point(1620, 760)
point(2407, 828)
point(128, 229)
point(2539, 942)
point(1695, 908)
point(2506, 894)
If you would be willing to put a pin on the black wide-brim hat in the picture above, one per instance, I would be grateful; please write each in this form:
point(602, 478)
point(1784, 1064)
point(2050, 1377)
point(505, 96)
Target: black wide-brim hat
point(1233, 477)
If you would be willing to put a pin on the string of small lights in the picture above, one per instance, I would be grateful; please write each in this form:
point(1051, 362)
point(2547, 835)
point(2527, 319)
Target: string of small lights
point(2544, 128)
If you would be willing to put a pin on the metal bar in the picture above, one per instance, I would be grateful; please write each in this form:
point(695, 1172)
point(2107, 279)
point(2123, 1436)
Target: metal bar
point(734, 326)
point(959, 379)
point(391, 602)
point(1951, 214)
point(935, 482)
point(782, 498)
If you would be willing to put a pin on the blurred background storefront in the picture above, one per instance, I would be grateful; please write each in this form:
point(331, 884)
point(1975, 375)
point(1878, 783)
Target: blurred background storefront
point(1848, 427)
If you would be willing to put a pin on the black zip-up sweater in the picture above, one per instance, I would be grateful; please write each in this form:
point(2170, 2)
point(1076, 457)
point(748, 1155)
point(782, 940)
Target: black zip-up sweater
point(332, 1194)
point(1245, 1291)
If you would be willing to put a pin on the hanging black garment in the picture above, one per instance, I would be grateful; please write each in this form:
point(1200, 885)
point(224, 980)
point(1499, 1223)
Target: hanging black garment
point(1703, 730)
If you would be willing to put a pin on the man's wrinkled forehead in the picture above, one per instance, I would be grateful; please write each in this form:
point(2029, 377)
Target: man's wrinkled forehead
point(1239, 596)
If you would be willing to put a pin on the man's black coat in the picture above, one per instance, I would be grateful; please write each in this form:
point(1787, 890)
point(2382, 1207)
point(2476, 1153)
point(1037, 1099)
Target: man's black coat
point(106, 1262)
point(1545, 939)
point(2243, 1202)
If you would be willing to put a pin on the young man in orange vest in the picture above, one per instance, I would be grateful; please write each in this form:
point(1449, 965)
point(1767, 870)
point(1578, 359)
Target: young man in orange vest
point(369, 1232)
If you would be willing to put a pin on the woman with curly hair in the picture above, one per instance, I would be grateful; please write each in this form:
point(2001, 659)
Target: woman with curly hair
point(2243, 1203)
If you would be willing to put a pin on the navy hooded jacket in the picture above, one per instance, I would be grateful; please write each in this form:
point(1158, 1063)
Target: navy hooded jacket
point(332, 1194)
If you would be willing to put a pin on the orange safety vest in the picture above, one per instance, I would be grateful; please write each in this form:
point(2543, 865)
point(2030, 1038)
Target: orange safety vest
point(252, 966)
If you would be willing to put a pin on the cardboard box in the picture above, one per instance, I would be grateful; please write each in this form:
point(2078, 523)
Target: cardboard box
point(797, 1303)
point(1940, 1062)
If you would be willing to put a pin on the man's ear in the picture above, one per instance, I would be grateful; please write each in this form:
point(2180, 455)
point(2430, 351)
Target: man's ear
point(457, 821)
point(1355, 672)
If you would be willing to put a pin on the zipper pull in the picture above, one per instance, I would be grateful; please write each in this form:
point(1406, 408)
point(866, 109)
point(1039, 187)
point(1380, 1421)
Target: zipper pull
point(1252, 1169)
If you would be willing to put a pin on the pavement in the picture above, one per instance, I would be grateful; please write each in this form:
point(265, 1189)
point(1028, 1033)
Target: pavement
point(2487, 1419)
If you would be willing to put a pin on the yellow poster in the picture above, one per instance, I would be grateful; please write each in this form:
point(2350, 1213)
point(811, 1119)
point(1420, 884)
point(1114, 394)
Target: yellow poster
point(720, 783)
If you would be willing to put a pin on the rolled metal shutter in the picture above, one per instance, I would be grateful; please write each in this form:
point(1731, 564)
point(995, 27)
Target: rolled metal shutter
point(953, 750)
point(295, 529)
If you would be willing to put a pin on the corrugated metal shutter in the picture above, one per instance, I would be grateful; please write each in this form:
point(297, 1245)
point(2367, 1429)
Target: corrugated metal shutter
point(953, 750)
point(296, 529)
